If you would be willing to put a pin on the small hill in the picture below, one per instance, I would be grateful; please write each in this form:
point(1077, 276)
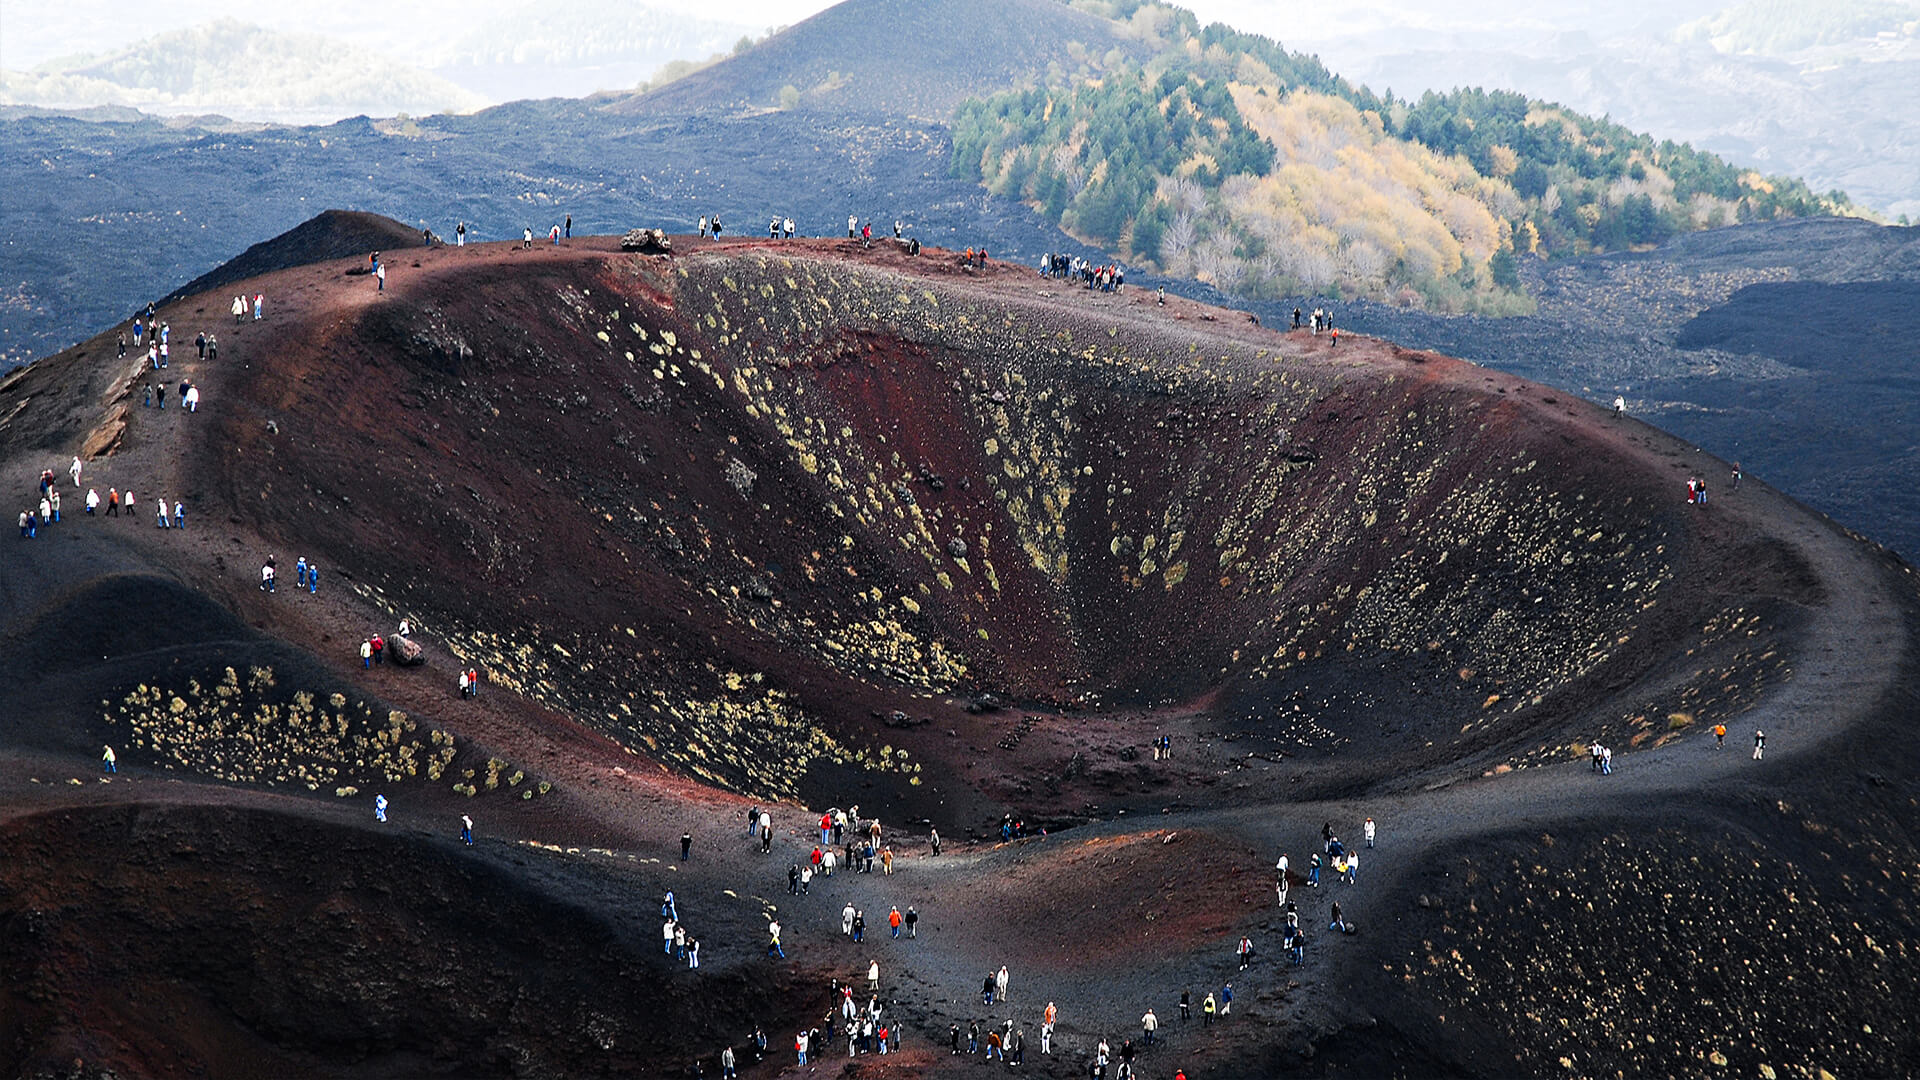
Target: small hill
point(332, 234)
point(900, 57)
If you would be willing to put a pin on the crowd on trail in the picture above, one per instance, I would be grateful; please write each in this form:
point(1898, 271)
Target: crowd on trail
point(1108, 277)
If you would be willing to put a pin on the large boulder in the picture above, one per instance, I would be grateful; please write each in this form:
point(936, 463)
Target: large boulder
point(403, 651)
point(647, 242)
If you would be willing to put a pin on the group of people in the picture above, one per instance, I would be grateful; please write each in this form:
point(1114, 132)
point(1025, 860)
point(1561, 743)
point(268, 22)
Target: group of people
point(1110, 277)
point(779, 227)
point(1320, 322)
point(239, 308)
point(674, 937)
point(867, 1029)
point(306, 575)
point(35, 518)
point(157, 394)
point(1345, 863)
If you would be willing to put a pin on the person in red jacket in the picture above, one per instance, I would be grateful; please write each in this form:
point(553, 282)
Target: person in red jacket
point(379, 647)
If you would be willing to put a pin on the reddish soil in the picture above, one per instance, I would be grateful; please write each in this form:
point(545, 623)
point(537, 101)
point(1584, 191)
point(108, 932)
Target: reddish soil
point(945, 543)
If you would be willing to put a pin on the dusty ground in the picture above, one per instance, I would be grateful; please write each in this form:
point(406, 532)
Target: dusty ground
point(766, 525)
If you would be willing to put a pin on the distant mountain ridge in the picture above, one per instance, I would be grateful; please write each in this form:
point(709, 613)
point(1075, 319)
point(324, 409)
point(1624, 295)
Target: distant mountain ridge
point(243, 71)
point(902, 57)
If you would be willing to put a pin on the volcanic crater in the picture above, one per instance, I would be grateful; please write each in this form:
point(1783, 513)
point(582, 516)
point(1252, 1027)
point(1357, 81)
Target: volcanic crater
point(805, 524)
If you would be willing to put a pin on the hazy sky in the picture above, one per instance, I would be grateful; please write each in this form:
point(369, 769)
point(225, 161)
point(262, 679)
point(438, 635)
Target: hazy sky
point(32, 31)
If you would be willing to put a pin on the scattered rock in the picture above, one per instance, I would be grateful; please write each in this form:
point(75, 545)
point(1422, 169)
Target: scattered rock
point(647, 242)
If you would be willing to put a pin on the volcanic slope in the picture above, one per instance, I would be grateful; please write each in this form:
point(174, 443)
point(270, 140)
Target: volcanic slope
point(807, 524)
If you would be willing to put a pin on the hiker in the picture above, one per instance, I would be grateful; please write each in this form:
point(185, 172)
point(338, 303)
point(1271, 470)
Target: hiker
point(846, 919)
point(773, 939)
point(859, 927)
point(933, 838)
point(553, 234)
point(886, 860)
point(213, 347)
point(460, 235)
point(1207, 1008)
point(53, 504)
point(466, 830)
point(1186, 1005)
point(1313, 871)
point(1338, 923)
point(131, 515)
point(113, 502)
point(726, 1064)
point(380, 808)
point(873, 977)
point(569, 226)
point(1245, 952)
point(239, 309)
point(1606, 761)
point(1047, 1019)
point(913, 917)
point(1619, 405)
point(986, 990)
point(1759, 744)
point(703, 226)
point(266, 572)
point(179, 515)
point(853, 223)
point(526, 238)
point(93, 501)
point(193, 399)
point(259, 301)
point(108, 763)
point(1149, 1024)
point(1719, 736)
point(1367, 829)
point(1353, 865)
point(666, 936)
point(1736, 476)
point(379, 649)
point(380, 278)
point(1226, 999)
point(1000, 983)
point(313, 586)
point(686, 845)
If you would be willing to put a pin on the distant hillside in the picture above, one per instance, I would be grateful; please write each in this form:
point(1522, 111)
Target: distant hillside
point(903, 57)
point(239, 70)
point(332, 234)
point(1227, 158)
